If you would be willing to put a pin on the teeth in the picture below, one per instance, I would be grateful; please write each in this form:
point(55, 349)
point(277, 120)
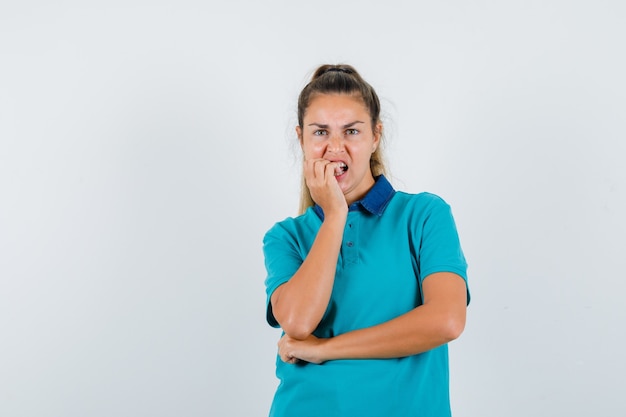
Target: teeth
point(341, 168)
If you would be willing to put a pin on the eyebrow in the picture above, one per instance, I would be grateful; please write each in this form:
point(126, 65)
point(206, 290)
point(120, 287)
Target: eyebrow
point(323, 126)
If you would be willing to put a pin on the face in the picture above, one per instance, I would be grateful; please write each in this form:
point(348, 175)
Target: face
point(338, 128)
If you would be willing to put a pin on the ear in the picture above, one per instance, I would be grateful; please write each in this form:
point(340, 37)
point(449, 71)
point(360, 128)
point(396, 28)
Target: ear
point(299, 133)
point(378, 133)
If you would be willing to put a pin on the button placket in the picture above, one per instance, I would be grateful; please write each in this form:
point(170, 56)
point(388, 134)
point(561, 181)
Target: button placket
point(350, 251)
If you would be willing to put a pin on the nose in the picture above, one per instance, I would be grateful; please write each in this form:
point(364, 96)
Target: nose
point(335, 143)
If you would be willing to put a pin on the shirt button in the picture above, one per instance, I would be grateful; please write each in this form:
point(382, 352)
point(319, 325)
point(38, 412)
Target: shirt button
point(350, 244)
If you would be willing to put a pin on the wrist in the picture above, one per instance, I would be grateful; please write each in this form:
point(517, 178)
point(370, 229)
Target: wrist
point(324, 349)
point(339, 214)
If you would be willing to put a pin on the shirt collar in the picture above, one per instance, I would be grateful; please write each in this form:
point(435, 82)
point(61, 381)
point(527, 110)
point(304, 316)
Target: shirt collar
point(375, 201)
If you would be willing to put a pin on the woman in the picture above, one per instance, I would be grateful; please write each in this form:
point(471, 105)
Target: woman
point(368, 284)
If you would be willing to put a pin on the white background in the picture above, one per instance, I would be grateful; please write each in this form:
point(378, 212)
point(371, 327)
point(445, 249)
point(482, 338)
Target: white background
point(146, 147)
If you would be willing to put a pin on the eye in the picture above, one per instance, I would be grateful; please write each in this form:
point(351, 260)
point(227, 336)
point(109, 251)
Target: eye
point(352, 132)
point(320, 132)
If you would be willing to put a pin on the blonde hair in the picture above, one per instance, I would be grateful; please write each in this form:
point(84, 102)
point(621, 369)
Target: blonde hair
point(341, 79)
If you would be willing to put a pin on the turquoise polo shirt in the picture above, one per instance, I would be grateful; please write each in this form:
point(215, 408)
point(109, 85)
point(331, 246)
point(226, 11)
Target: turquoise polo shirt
point(392, 241)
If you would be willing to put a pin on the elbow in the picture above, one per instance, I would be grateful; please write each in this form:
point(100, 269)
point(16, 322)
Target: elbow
point(452, 327)
point(293, 323)
point(297, 322)
point(297, 329)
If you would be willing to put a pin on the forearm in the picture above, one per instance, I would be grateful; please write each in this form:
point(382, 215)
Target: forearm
point(300, 303)
point(417, 331)
point(439, 320)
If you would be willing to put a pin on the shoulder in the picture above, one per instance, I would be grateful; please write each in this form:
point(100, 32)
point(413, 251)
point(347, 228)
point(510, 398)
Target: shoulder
point(423, 197)
point(418, 210)
point(293, 226)
point(420, 202)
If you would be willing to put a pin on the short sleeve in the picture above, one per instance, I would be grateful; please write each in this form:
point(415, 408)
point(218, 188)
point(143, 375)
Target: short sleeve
point(440, 247)
point(282, 260)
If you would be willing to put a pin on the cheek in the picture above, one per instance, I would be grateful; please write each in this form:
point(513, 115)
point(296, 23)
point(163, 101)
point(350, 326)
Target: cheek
point(360, 154)
point(313, 150)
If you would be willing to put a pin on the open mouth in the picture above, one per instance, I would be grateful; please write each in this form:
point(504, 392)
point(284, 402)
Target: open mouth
point(341, 168)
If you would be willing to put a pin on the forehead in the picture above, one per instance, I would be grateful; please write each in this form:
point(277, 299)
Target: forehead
point(336, 106)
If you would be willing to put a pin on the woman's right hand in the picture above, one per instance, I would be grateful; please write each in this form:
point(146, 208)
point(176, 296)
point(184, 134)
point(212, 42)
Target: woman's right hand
point(319, 175)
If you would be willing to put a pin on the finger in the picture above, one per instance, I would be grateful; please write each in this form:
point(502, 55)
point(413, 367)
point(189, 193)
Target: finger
point(330, 170)
point(320, 168)
point(310, 170)
point(289, 359)
point(308, 165)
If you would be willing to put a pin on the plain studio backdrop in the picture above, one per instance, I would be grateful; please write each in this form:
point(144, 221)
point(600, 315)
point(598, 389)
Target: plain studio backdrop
point(146, 147)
